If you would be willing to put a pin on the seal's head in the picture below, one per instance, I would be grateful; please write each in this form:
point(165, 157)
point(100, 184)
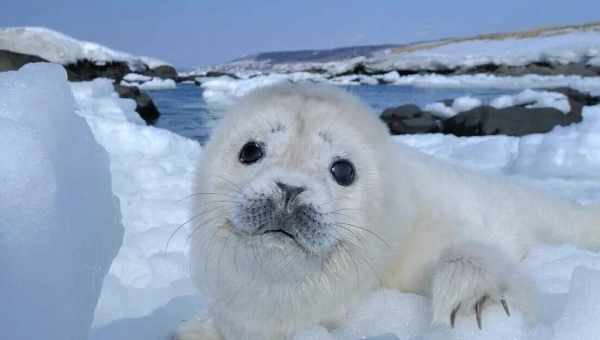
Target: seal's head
point(290, 192)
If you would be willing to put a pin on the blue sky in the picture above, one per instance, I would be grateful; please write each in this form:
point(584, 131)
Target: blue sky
point(191, 33)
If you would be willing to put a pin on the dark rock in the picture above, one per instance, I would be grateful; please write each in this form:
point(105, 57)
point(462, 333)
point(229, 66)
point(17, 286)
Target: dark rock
point(144, 105)
point(181, 79)
point(162, 71)
point(541, 68)
point(409, 119)
point(85, 70)
point(402, 112)
point(510, 121)
point(12, 61)
point(220, 74)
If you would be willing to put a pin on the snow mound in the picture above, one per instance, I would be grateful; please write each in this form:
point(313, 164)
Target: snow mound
point(569, 151)
point(152, 171)
point(459, 105)
point(529, 98)
point(148, 83)
point(60, 224)
point(62, 49)
point(534, 99)
point(136, 77)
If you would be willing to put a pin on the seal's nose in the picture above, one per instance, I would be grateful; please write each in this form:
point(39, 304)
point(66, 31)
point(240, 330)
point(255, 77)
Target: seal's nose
point(290, 192)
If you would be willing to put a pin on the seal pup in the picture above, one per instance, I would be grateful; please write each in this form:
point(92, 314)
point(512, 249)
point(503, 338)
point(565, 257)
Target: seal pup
point(304, 204)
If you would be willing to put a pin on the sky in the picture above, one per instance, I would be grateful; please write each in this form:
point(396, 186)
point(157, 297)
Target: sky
point(192, 33)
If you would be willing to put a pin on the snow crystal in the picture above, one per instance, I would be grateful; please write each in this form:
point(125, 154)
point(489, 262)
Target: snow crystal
point(59, 221)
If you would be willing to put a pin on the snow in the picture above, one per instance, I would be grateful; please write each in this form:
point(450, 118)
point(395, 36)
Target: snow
point(570, 151)
point(59, 221)
point(528, 97)
point(61, 49)
point(440, 110)
point(224, 90)
point(152, 171)
point(465, 103)
point(136, 77)
point(534, 99)
point(148, 83)
point(586, 84)
point(459, 104)
point(583, 306)
point(557, 46)
point(595, 61)
point(571, 47)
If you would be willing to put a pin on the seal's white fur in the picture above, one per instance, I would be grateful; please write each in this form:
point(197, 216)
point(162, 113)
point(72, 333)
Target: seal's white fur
point(411, 222)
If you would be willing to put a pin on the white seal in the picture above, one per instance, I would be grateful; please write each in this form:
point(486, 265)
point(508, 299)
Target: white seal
point(304, 204)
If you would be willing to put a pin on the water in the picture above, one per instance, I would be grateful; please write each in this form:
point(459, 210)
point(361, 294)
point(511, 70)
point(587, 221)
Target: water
point(184, 111)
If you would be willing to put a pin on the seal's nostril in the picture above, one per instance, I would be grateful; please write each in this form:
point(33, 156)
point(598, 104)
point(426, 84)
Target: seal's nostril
point(289, 192)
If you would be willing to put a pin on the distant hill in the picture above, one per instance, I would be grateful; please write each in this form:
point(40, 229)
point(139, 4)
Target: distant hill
point(278, 57)
point(540, 50)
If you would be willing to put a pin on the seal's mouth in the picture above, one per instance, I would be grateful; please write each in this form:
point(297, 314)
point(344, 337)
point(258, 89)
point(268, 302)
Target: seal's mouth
point(281, 232)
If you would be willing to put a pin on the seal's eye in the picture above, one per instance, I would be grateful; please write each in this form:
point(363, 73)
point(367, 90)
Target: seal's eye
point(343, 172)
point(251, 152)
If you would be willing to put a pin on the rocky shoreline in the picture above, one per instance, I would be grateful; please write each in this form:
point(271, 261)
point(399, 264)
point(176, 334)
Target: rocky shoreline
point(516, 120)
point(484, 120)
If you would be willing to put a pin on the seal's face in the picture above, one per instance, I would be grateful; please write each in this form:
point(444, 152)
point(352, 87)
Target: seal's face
point(281, 205)
point(286, 185)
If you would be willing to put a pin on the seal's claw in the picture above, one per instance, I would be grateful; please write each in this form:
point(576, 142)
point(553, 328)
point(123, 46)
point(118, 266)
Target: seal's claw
point(453, 315)
point(505, 306)
point(478, 309)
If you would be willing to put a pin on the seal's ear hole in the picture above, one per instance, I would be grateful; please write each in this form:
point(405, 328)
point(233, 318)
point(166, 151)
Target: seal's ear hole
point(343, 172)
point(251, 152)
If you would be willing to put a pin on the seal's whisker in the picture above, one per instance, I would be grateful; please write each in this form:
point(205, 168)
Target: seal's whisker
point(367, 231)
point(234, 185)
point(204, 194)
point(205, 210)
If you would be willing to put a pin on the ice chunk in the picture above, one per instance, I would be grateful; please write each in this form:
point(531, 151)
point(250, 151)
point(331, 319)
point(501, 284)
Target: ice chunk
point(59, 221)
point(580, 319)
